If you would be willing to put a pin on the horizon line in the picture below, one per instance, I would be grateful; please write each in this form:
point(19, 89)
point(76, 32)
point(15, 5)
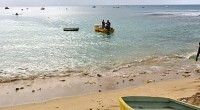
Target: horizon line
point(101, 5)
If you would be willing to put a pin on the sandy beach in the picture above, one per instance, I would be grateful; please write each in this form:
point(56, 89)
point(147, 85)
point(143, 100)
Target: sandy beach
point(108, 100)
point(101, 91)
point(97, 91)
point(85, 91)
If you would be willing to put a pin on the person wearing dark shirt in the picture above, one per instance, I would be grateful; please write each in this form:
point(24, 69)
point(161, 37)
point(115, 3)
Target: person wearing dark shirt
point(108, 25)
point(198, 52)
point(103, 24)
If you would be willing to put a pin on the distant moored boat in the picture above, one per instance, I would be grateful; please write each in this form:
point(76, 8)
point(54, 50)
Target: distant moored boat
point(6, 8)
point(70, 29)
point(42, 8)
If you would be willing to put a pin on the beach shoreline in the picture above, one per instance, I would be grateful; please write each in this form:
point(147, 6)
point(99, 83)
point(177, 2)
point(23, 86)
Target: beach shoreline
point(47, 88)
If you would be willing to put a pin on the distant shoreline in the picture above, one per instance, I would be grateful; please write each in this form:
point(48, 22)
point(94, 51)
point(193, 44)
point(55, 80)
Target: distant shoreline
point(104, 5)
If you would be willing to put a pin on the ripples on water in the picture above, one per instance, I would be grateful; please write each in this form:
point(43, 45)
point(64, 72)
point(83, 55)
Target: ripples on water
point(34, 42)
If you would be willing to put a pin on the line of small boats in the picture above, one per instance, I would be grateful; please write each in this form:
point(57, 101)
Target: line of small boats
point(97, 28)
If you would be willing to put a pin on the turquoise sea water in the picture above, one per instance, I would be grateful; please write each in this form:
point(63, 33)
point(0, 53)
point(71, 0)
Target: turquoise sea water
point(34, 43)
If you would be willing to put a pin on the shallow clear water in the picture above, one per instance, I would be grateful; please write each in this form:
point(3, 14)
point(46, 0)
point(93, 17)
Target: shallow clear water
point(34, 41)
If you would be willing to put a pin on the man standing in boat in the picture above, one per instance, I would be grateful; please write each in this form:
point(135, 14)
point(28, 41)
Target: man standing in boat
point(103, 24)
point(108, 25)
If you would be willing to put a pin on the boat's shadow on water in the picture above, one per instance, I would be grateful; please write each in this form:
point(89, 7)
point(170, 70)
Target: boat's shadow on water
point(105, 35)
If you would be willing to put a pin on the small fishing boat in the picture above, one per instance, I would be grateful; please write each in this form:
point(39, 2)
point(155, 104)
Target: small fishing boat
point(70, 29)
point(99, 28)
point(153, 103)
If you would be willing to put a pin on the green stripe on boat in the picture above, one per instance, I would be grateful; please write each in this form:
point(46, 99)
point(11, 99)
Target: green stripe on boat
point(153, 103)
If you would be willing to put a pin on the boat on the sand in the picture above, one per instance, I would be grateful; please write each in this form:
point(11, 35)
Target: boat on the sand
point(153, 103)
